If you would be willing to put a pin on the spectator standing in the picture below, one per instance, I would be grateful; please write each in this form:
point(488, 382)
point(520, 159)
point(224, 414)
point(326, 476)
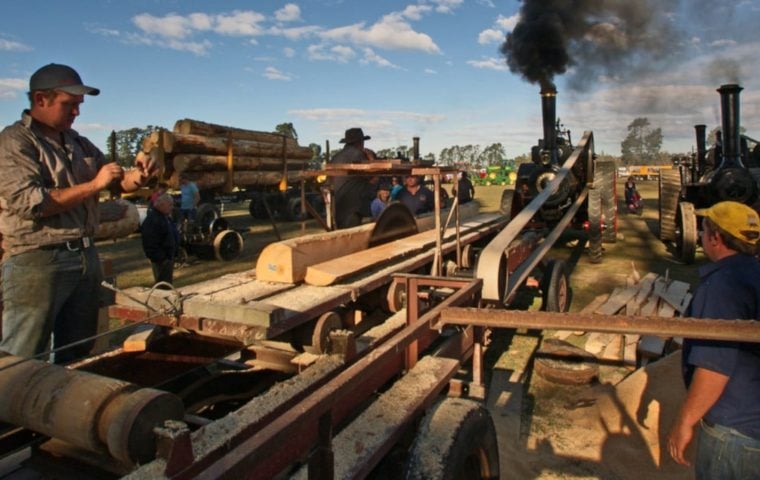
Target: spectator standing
point(160, 238)
point(396, 188)
point(464, 189)
point(189, 198)
point(352, 194)
point(632, 196)
point(723, 378)
point(417, 198)
point(49, 191)
point(381, 201)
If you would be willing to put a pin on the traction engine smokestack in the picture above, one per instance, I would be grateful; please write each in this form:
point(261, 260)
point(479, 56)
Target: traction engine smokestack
point(729, 105)
point(549, 114)
point(700, 130)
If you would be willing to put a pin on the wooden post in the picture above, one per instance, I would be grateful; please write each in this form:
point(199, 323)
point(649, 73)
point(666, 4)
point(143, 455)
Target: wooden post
point(230, 184)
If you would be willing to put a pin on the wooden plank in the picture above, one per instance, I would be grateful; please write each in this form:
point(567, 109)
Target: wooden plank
point(333, 271)
point(597, 302)
point(618, 299)
point(287, 261)
point(141, 340)
point(645, 286)
point(630, 347)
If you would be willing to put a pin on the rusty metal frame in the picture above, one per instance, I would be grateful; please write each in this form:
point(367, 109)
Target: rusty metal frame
point(708, 329)
point(258, 450)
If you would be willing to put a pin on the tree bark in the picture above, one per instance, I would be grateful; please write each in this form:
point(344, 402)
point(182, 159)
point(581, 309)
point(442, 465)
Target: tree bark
point(189, 162)
point(183, 143)
point(196, 127)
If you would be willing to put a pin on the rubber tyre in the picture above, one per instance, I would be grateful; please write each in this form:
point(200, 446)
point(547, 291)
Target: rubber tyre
point(605, 182)
point(227, 245)
point(456, 441)
point(257, 209)
point(207, 213)
point(594, 210)
point(555, 286)
point(686, 233)
point(669, 189)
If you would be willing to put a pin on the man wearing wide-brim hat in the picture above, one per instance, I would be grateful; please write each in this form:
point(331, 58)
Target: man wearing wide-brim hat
point(723, 378)
point(352, 194)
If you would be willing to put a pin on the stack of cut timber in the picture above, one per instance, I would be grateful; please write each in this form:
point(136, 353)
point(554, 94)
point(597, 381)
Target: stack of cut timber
point(652, 295)
point(209, 153)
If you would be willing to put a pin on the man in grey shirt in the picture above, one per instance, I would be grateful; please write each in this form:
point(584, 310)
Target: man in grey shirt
point(49, 191)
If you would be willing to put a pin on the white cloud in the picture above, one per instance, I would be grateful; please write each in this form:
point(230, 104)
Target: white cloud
point(371, 57)
point(295, 33)
point(11, 87)
point(415, 12)
point(491, 63)
point(239, 23)
point(430, 71)
point(288, 52)
point(490, 35)
point(289, 13)
point(274, 74)
point(508, 23)
point(337, 53)
point(723, 43)
point(12, 46)
point(446, 6)
point(392, 32)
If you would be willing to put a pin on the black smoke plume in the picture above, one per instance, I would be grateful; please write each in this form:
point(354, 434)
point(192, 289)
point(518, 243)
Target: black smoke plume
point(590, 38)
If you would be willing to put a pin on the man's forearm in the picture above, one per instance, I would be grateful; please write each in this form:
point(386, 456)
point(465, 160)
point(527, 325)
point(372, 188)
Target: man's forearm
point(63, 199)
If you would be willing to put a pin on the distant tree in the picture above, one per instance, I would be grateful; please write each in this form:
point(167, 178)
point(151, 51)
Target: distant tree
point(642, 145)
point(524, 158)
point(287, 129)
point(493, 154)
point(128, 143)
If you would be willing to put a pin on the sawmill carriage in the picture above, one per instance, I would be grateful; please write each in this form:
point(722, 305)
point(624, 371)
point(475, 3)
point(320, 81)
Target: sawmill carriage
point(727, 171)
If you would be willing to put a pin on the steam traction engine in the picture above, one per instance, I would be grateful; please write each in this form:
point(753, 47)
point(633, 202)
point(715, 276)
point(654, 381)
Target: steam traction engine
point(713, 176)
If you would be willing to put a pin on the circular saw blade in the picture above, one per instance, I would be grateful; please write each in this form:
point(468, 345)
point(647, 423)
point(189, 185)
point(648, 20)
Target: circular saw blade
point(395, 222)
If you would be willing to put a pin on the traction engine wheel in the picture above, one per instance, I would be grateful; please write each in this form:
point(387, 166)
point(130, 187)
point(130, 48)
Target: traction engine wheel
point(555, 286)
point(669, 188)
point(228, 245)
point(206, 215)
point(686, 232)
point(507, 201)
point(594, 225)
point(604, 181)
point(456, 441)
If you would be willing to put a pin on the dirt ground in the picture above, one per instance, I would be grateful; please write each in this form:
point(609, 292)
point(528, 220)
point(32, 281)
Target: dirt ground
point(608, 430)
point(613, 428)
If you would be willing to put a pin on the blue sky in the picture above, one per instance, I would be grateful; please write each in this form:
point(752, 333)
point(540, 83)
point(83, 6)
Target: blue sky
point(398, 69)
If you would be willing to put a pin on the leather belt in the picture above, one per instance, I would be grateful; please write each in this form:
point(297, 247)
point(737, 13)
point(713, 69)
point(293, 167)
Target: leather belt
point(71, 245)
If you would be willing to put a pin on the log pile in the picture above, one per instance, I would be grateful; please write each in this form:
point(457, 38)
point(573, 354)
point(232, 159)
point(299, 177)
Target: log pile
point(216, 156)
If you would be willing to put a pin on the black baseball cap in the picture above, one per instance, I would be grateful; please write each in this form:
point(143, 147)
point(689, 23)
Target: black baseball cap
point(60, 77)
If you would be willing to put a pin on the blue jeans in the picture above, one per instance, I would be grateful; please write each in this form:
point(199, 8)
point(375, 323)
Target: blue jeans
point(50, 291)
point(725, 454)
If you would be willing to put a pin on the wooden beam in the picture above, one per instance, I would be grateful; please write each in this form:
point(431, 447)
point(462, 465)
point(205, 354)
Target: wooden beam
point(332, 271)
point(288, 260)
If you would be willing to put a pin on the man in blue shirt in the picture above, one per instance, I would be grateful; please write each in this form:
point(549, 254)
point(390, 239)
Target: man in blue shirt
point(190, 196)
point(723, 378)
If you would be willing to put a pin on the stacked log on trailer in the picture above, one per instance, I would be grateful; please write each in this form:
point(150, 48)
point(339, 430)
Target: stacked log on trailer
point(219, 157)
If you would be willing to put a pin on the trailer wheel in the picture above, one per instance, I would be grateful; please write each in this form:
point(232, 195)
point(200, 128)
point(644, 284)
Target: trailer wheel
point(686, 232)
point(604, 180)
point(555, 287)
point(207, 213)
point(320, 337)
point(456, 441)
point(257, 209)
point(594, 225)
point(669, 188)
point(228, 245)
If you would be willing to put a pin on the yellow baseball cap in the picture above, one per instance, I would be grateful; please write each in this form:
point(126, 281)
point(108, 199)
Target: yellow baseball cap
point(737, 219)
